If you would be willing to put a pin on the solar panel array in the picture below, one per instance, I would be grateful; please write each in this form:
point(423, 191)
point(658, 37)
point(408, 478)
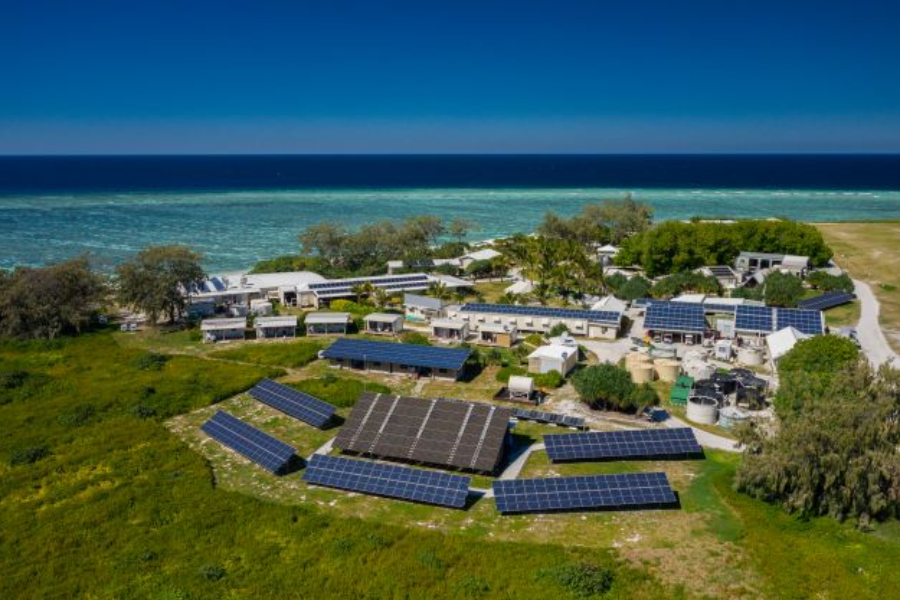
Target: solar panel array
point(413, 355)
point(439, 431)
point(594, 316)
point(766, 319)
point(722, 271)
point(299, 405)
point(343, 287)
point(392, 481)
point(525, 414)
point(606, 445)
point(640, 302)
point(826, 300)
point(719, 308)
point(266, 451)
point(680, 317)
point(627, 490)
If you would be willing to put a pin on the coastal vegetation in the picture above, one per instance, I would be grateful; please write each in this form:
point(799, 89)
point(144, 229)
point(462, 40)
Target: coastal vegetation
point(608, 386)
point(155, 280)
point(606, 222)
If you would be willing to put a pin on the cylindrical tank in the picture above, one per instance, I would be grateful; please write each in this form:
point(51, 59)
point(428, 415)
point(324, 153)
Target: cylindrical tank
point(731, 416)
point(642, 372)
point(667, 370)
point(702, 410)
point(635, 357)
point(750, 356)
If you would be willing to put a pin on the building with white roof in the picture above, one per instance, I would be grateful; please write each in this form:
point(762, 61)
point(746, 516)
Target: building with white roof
point(384, 323)
point(281, 326)
point(520, 288)
point(478, 255)
point(610, 303)
point(449, 330)
point(783, 341)
point(217, 330)
point(553, 358)
point(327, 323)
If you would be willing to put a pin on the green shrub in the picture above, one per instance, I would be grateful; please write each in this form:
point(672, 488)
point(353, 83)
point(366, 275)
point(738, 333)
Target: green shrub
point(534, 339)
point(825, 282)
point(505, 373)
point(581, 580)
point(211, 572)
point(605, 385)
point(414, 337)
point(13, 379)
point(644, 395)
point(77, 416)
point(782, 289)
point(28, 455)
point(557, 330)
point(151, 361)
point(548, 381)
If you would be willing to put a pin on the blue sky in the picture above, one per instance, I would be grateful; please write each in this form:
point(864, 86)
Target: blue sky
point(423, 76)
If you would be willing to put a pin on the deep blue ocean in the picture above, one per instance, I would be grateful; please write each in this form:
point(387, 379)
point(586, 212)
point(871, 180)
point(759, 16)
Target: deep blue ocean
point(239, 209)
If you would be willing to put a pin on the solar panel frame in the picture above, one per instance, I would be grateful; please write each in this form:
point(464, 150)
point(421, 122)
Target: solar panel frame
point(675, 442)
point(810, 322)
point(677, 317)
point(261, 448)
point(414, 355)
point(609, 317)
point(295, 403)
point(582, 493)
point(826, 300)
point(390, 481)
point(754, 319)
point(538, 416)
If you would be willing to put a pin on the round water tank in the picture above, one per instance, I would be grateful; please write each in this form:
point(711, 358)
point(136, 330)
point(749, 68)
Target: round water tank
point(731, 416)
point(635, 357)
point(750, 355)
point(642, 372)
point(702, 410)
point(667, 370)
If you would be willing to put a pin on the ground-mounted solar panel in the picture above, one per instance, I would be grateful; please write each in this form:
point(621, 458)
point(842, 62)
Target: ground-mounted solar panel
point(391, 481)
point(593, 316)
point(297, 404)
point(268, 452)
point(754, 319)
point(810, 322)
point(678, 442)
point(412, 355)
point(539, 416)
point(589, 492)
point(679, 317)
point(826, 301)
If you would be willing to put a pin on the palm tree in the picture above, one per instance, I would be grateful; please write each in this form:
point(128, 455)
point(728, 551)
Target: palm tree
point(509, 298)
point(363, 290)
point(439, 290)
point(381, 297)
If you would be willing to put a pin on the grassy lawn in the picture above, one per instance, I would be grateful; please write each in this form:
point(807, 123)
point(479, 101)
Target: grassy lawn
point(279, 353)
point(871, 252)
point(491, 290)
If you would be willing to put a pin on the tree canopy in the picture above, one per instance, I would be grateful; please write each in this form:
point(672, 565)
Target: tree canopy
point(808, 369)
point(608, 386)
point(782, 289)
point(609, 221)
point(49, 301)
point(155, 280)
point(680, 283)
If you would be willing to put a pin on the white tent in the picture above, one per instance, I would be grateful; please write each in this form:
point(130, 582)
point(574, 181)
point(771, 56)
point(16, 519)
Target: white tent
point(782, 341)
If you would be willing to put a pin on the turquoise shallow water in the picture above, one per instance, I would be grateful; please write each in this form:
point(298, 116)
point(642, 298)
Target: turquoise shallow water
point(235, 229)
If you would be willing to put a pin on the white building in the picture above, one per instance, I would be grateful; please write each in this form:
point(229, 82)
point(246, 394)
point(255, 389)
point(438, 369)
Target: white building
point(783, 341)
point(217, 330)
point(422, 308)
point(540, 319)
point(449, 330)
point(327, 323)
point(275, 327)
point(384, 323)
point(553, 358)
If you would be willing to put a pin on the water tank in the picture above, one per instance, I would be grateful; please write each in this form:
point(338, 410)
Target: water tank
point(668, 370)
point(731, 416)
point(750, 355)
point(635, 357)
point(642, 372)
point(702, 410)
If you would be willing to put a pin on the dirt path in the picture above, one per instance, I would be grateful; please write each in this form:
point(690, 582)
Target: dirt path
point(868, 331)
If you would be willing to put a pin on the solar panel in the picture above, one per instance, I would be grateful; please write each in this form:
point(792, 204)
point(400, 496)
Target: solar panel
point(343, 287)
point(681, 317)
point(826, 301)
point(617, 445)
point(594, 316)
point(392, 481)
point(754, 319)
point(721, 271)
point(640, 302)
point(525, 414)
point(627, 490)
point(263, 449)
point(412, 355)
point(308, 409)
point(719, 308)
point(810, 322)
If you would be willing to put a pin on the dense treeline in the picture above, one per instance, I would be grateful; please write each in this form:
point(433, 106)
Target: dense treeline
point(49, 301)
point(675, 246)
point(606, 222)
point(156, 279)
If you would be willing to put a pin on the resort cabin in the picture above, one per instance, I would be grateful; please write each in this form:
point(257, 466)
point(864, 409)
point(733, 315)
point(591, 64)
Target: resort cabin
point(540, 319)
point(497, 334)
point(750, 262)
point(384, 323)
point(392, 358)
point(276, 327)
point(449, 330)
point(218, 330)
point(422, 308)
point(327, 323)
point(553, 358)
point(795, 265)
point(610, 303)
point(520, 388)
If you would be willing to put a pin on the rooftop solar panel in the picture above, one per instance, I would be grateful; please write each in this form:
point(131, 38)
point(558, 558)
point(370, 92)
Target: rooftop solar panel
point(594, 316)
point(263, 449)
point(754, 319)
point(618, 445)
point(810, 322)
point(392, 481)
point(679, 317)
point(722, 271)
point(590, 492)
point(719, 308)
point(299, 405)
point(826, 301)
point(413, 355)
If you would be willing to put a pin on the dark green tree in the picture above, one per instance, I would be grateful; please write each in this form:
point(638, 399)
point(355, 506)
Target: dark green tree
point(782, 289)
point(605, 386)
point(156, 279)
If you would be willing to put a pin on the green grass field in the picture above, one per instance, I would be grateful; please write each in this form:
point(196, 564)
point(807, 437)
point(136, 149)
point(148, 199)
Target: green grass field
point(132, 501)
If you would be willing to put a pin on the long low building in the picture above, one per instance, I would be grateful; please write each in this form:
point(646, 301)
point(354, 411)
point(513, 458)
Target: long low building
point(400, 359)
point(281, 326)
point(314, 294)
point(598, 324)
point(439, 431)
point(216, 330)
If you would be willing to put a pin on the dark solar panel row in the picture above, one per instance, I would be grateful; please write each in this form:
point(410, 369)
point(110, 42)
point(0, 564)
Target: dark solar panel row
point(754, 319)
point(341, 283)
point(412, 355)
point(722, 271)
point(598, 316)
point(538, 416)
point(629, 490)
point(413, 286)
point(263, 449)
point(607, 445)
point(684, 317)
point(297, 404)
point(392, 481)
point(766, 319)
point(826, 301)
